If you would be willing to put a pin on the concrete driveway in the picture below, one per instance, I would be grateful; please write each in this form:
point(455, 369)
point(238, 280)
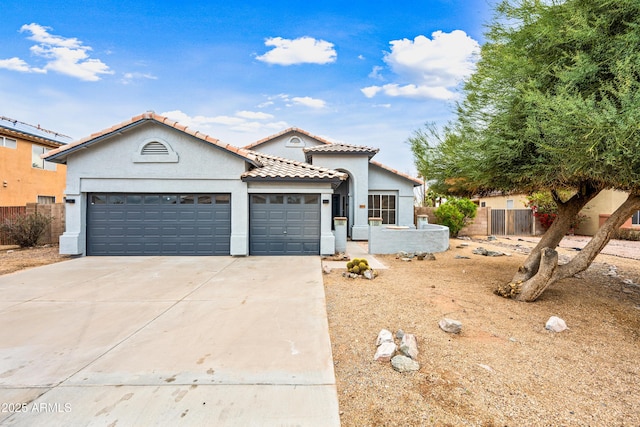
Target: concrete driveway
point(167, 341)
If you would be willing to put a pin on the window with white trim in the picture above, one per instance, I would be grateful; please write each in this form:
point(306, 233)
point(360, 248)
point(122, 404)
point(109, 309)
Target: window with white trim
point(37, 162)
point(635, 219)
point(8, 142)
point(383, 206)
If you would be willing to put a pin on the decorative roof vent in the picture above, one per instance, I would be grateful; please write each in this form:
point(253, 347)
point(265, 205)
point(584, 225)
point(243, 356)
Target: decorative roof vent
point(295, 141)
point(154, 148)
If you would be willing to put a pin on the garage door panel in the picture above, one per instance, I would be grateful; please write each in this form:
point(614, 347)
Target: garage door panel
point(284, 224)
point(153, 224)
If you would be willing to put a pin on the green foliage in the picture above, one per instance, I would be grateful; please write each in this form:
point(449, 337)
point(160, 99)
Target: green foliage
point(546, 209)
point(554, 104)
point(455, 214)
point(25, 230)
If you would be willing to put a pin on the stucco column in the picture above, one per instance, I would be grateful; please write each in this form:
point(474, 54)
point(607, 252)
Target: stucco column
point(73, 240)
point(340, 227)
point(327, 239)
point(423, 220)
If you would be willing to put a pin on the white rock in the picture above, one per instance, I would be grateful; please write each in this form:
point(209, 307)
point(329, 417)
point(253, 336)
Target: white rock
point(326, 269)
point(385, 351)
point(384, 336)
point(451, 326)
point(409, 346)
point(556, 324)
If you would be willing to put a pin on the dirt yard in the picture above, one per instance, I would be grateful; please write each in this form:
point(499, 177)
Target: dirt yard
point(504, 368)
point(12, 258)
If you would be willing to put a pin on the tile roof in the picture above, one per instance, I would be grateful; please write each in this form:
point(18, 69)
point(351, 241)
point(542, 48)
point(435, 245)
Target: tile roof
point(34, 133)
point(284, 132)
point(279, 168)
point(340, 149)
point(416, 181)
point(61, 152)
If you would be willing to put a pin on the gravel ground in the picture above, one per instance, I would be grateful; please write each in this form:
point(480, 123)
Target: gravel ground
point(12, 258)
point(504, 368)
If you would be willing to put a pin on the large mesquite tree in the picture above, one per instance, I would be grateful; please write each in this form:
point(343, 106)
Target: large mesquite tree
point(553, 105)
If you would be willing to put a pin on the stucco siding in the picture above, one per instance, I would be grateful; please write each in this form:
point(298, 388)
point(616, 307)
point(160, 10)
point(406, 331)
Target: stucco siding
point(281, 147)
point(21, 183)
point(382, 181)
point(112, 166)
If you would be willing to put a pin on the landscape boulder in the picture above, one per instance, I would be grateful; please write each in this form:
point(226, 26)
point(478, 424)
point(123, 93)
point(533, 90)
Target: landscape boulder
point(404, 364)
point(384, 336)
point(409, 346)
point(451, 326)
point(556, 324)
point(385, 351)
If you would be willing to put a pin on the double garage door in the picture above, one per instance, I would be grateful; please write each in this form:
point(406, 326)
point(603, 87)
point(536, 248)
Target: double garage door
point(158, 224)
point(200, 224)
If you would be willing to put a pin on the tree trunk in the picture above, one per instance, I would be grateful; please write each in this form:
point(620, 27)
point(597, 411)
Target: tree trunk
point(567, 212)
point(550, 272)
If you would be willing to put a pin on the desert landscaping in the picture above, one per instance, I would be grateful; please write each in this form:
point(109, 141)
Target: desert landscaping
point(504, 368)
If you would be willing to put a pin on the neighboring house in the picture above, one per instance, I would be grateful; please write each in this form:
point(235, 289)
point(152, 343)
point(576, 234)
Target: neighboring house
point(24, 176)
point(152, 186)
point(601, 207)
point(596, 211)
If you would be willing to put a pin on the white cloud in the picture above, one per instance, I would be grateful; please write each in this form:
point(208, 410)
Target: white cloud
point(63, 55)
point(370, 91)
point(242, 121)
point(17, 64)
point(409, 91)
point(309, 102)
point(428, 68)
point(303, 50)
point(128, 78)
point(375, 73)
point(256, 115)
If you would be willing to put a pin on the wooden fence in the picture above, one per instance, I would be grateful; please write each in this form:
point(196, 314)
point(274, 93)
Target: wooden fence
point(54, 211)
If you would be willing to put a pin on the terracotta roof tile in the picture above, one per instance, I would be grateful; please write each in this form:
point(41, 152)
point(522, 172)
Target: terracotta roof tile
point(278, 168)
point(157, 118)
point(341, 148)
point(284, 132)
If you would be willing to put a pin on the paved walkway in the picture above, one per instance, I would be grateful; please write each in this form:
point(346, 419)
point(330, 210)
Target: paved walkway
point(217, 341)
point(356, 250)
point(621, 248)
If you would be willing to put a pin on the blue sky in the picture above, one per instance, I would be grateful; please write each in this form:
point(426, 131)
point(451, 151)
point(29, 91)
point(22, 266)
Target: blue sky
point(359, 72)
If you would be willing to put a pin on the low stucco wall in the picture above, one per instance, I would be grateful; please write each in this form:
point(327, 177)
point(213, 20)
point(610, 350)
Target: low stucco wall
point(391, 240)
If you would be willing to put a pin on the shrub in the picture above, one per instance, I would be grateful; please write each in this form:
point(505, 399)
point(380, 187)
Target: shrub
point(546, 210)
point(455, 214)
point(25, 230)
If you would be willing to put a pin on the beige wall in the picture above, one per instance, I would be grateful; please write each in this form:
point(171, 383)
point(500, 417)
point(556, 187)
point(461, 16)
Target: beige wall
point(604, 203)
point(21, 183)
point(500, 202)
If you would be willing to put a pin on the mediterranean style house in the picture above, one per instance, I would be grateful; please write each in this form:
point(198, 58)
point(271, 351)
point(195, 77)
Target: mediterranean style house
point(150, 185)
point(25, 176)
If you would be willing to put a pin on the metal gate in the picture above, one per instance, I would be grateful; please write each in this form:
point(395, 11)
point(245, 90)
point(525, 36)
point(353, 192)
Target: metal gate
point(512, 222)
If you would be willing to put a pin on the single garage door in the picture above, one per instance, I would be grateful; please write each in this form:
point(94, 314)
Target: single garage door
point(284, 224)
point(158, 224)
